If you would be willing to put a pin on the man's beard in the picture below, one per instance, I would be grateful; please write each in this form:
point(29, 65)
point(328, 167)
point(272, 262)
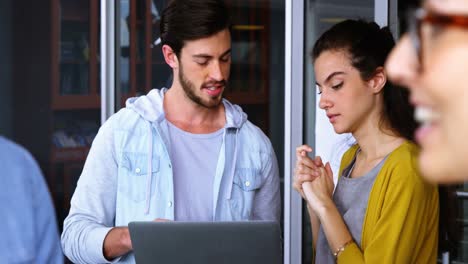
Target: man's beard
point(189, 89)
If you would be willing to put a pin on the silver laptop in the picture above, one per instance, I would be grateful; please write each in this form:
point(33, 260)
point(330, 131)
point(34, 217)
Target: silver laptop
point(249, 242)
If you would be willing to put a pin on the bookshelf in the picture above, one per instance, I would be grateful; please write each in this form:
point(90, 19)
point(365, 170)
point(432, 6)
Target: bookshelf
point(249, 81)
point(75, 54)
point(68, 154)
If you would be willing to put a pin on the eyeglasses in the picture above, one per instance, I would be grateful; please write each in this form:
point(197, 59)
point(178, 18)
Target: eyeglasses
point(419, 16)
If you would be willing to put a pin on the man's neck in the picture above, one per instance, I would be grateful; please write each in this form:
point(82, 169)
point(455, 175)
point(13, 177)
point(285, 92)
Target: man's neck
point(189, 116)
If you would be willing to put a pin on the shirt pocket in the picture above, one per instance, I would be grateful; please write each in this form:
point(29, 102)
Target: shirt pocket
point(133, 175)
point(247, 179)
point(245, 183)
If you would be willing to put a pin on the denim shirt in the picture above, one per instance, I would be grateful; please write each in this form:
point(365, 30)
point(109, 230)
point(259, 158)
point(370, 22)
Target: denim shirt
point(128, 177)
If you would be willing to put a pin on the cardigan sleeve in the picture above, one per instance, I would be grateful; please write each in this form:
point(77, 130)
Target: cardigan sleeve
point(405, 230)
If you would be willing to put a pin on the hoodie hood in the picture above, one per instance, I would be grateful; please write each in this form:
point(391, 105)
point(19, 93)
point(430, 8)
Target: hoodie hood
point(150, 108)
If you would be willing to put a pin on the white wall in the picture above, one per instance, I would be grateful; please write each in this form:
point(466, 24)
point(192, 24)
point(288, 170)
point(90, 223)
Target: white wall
point(329, 145)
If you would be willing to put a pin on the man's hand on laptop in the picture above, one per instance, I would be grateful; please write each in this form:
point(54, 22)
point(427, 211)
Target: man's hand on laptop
point(162, 220)
point(117, 243)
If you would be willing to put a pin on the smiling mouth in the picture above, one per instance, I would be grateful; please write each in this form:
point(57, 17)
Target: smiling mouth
point(428, 119)
point(425, 116)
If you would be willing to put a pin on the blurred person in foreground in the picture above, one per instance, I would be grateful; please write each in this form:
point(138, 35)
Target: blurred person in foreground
point(431, 60)
point(29, 229)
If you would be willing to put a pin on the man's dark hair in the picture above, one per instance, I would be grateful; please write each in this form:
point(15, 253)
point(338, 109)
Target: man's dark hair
point(184, 20)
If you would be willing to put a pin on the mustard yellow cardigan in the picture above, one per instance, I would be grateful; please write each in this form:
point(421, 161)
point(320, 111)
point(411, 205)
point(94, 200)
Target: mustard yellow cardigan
point(402, 216)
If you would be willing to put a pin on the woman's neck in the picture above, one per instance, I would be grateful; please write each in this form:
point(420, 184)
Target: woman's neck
point(375, 144)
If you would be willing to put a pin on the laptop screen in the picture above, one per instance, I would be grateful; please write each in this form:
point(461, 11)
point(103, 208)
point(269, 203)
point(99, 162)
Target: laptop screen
point(247, 242)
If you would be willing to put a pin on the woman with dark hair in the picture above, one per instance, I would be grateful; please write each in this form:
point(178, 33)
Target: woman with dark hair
point(381, 210)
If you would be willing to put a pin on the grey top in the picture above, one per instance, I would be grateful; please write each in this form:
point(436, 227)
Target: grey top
point(194, 158)
point(350, 197)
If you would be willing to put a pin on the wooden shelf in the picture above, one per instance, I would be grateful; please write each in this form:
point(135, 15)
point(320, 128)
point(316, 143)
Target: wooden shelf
point(74, 10)
point(248, 27)
point(72, 102)
point(74, 62)
point(75, 18)
point(139, 62)
point(59, 155)
point(247, 64)
point(247, 97)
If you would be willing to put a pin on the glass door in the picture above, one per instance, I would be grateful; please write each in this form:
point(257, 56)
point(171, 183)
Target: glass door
point(140, 62)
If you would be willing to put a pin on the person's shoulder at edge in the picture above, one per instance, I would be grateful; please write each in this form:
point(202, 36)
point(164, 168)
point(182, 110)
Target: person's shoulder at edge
point(14, 156)
point(10, 148)
point(19, 163)
point(26, 185)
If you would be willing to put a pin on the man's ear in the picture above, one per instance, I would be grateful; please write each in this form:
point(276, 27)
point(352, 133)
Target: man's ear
point(378, 81)
point(170, 57)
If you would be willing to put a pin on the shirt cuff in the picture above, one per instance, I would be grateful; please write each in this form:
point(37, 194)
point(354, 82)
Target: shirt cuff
point(96, 242)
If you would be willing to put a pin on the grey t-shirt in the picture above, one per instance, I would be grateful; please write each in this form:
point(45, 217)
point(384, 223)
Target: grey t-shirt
point(194, 158)
point(350, 197)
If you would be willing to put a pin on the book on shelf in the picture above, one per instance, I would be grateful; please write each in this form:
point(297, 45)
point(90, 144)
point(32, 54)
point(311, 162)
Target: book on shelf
point(245, 52)
point(75, 134)
point(74, 79)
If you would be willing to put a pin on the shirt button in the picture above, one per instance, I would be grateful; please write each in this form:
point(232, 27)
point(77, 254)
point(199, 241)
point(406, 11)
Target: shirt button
point(247, 183)
point(169, 204)
point(137, 170)
point(170, 166)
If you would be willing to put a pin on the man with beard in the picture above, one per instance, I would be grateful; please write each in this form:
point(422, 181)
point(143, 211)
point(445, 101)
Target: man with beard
point(177, 154)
